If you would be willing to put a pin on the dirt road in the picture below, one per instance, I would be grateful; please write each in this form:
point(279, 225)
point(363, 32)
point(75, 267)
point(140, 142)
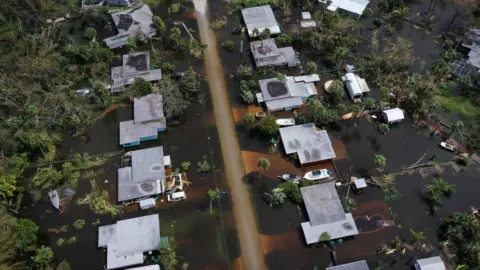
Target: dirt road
point(250, 245)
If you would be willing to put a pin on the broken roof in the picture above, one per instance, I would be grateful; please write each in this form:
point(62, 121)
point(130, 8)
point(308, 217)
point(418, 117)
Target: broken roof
point(148, 108)
point(266, 53)
point(310, 144)
point(260, 18)
point(134, 65)
point(131, 132)
point(129, 23)
point(322, 203)
point(360, 265)
point(128, 239)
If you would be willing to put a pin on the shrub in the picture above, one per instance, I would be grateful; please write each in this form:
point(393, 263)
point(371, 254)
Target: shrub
point(284, 39)
point(247, 97)
point(292, 191)
point(176, 8)
point(244, 70)
point(79, 223)
point(249, 119)
point(186, 165)
point(60, 242)
point(312, 67)
point(203, 166)
point(228, 45)
point(219, 23)
point(26, 234)
point(268, 126)
point(90, 33)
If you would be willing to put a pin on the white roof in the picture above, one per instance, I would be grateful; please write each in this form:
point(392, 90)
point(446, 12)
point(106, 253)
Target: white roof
point(307, 78)
point(352, 83)
point(338, 229)
point(393, 115)
point(306, 15)
point(360, 265)
point(147, 202)
point(323, 204)
point(128, 239)
point(352, 6)
point(360, 183)
point(148, 267)
point(260, 18)
point(432, 263)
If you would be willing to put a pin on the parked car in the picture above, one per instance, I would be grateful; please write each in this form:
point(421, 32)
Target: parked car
point(83, 92)
point(173, 123)
point(177, 75)
point(235, 30)
point(290, 178)
point(177, 196)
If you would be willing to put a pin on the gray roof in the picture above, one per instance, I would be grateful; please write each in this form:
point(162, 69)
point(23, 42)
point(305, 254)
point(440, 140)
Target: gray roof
point(432, 263)
point(360, 265)
point(322, 203)
point(148, 108)
point(128, 239)
point(279, 95)
point(266, 53)
point(134, 65)
point(310, 144)
point(260, 18)
point(336, 230)
point(133, 132)
point(144, 177)
point(129, 23)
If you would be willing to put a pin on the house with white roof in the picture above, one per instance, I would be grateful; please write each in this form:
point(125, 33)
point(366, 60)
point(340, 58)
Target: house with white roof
point(354, 8)
point(260, 18)
point(432, 263)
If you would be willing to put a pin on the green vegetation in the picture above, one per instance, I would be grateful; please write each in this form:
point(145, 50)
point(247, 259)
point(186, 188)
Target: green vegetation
point(213, 195)
point(380, 161)
point(268, 126)
point(275, 197)
point(43, 256)
point(186, 165)
point(434, 192)
point(228, 45)
point(312, 68)
point(60, 242)
point(25, 231)
point(78, 224)
point(337, 91)
point(247, 89)
point(244, 70)
point(383, 129)
point(389, 188)
point(325, 236)
point(190, 84)
point(168, 257)
point(292, 191)
point(97, 200)
point(203, 165)
point(458, 104)
point(219, 22)
point(263, 164)
point(249, 119)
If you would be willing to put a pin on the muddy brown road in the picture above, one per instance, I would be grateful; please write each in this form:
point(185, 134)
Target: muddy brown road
point(250, 245)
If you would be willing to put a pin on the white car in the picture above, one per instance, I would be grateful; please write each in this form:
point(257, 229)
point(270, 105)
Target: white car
point(177, 196)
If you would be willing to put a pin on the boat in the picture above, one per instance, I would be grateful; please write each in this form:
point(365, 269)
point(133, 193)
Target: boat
point(285, 121)
point(318, 174)
point(448, 146)
point(54, 198)
point(260, 115)
point(290, 178)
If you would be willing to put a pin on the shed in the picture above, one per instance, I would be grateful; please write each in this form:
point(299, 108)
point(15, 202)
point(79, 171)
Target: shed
point(432, 263)
point(360, 265)
point(354, 90)
point(393, 115)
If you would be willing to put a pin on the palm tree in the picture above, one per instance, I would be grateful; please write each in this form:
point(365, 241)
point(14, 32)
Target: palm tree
point(383, 129)
point(338, 56)
point(263, 164)
point(444, 187)
point(213, 195)
point(418, 236)
point(380, 161)
point(276, 196)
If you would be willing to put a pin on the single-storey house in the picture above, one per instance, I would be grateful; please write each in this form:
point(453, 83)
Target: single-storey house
point(353, 8)
point(134, 65)
point(393, 115)
point(130, 23)
point(310, 144)
point(356, 86)
point(127, 240)
point(260, 18)
point(288, 94)
point(471, 64)
point(326, 214)
point(360, 265)
point(432, 263)
point(146, 175)
point(267, 54)
point(148, 120)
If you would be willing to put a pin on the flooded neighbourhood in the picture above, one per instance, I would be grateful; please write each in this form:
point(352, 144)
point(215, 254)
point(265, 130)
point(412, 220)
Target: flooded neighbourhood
point(243, 134)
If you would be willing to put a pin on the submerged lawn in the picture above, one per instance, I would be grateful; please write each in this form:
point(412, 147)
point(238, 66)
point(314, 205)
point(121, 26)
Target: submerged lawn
point(458, 104)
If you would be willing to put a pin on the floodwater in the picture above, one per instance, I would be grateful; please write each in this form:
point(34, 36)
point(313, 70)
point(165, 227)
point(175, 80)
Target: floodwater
point(251, 250)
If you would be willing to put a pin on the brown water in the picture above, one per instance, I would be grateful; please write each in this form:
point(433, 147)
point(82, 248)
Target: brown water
point(250, 245)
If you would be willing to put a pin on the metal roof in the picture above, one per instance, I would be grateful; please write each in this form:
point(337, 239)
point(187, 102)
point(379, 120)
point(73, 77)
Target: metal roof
point(432, 263)
point(144, 177)
point(260, 18)
point(337, 229)
point(351, 6)
point(310, 144)
point(148, 108)
point(360, 183)
point(306, 15)
point(148, 267)
point(360, 265)
point(394, 115)
point(323, 204)
point(284, 94)
point(134, 65)
point(129, 22)
point(132, 132)
point(128, 239)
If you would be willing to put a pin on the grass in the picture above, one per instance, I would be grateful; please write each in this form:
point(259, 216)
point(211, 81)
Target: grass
point(459, 105)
